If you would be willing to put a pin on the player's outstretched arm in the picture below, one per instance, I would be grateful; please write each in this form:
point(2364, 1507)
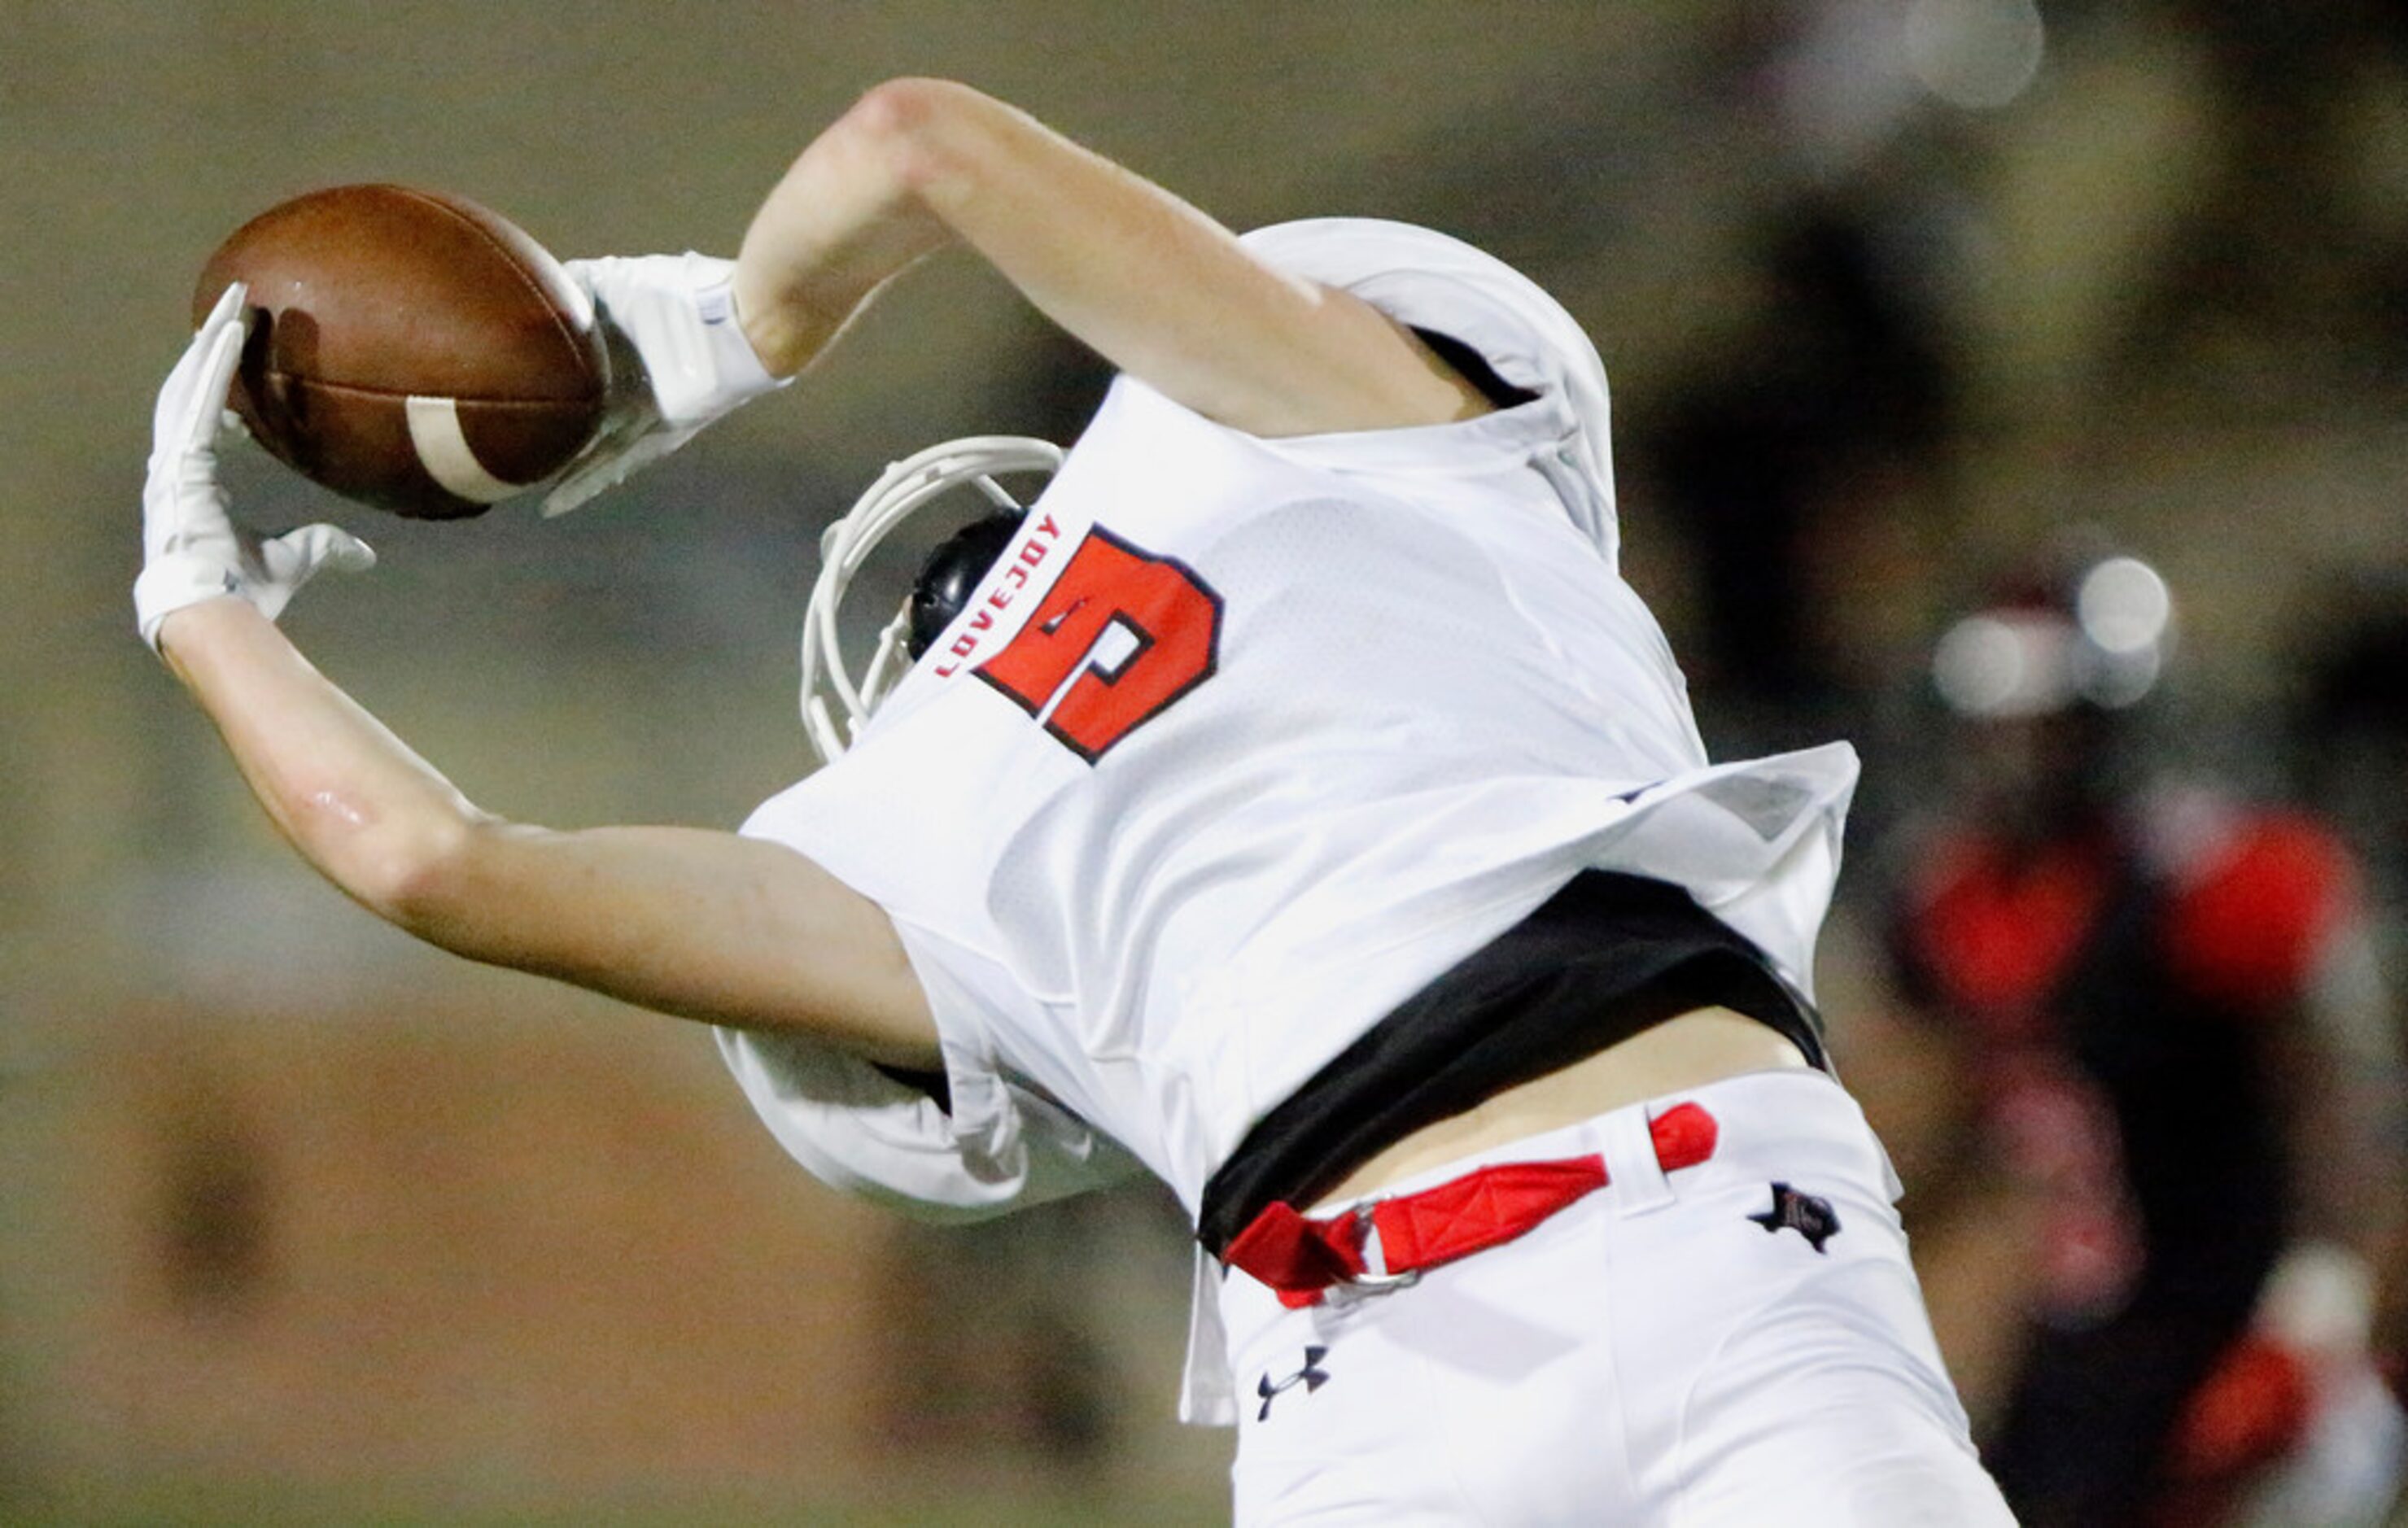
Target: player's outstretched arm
point(1158, 287)
point(701, 924)
point(704, 925)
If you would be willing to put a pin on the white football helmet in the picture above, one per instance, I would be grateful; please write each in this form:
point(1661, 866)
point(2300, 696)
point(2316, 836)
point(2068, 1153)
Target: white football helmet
point(836, 704)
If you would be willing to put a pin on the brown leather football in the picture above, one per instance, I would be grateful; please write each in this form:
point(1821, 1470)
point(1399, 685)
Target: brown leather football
point(409, 349)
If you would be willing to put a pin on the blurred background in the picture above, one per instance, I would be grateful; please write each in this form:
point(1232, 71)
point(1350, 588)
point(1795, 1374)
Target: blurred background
point(299, 1221)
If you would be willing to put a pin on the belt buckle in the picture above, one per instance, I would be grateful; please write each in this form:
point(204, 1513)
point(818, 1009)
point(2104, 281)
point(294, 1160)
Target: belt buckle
point(1369, 1285)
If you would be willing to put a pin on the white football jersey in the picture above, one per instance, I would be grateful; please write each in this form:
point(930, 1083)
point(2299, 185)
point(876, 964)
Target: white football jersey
point(1245, 740)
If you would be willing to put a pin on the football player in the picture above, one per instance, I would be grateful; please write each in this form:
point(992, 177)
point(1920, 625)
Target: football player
point(2163, 1008)
point(1300, 808)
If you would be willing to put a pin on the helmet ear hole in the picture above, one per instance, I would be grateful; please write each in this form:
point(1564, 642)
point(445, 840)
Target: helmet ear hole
point(952, 573)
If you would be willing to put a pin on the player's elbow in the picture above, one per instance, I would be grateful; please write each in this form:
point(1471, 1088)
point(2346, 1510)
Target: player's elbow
point(423, 876)
point(923, 130)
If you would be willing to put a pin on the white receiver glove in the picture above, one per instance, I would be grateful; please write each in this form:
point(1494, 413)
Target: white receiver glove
point(192, 549)
point(678, 361)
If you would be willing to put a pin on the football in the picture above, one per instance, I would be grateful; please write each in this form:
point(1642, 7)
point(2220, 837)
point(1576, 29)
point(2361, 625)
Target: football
point(409, 350)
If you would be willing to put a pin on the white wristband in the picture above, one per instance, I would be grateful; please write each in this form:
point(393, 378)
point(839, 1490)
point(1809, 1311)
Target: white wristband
point(167, 584)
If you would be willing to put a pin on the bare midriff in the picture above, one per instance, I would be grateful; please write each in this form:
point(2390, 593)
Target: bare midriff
point(1702, 1046)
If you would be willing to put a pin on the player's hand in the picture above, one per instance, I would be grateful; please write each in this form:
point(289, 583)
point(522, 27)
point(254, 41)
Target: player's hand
point(192, 549)
point(678, 361)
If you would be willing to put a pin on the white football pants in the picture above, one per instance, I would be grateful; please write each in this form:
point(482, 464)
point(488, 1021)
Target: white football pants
point(1651, 1355)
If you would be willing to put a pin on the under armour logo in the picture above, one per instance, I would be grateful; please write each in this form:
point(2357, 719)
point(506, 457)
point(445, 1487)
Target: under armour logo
point(1311, 1377)
point(1811, 1217)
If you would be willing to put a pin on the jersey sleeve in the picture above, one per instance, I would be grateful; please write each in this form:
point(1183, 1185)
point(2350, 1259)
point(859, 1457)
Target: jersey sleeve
point(1431, 281)
point(1002, 1144)
point(866, 1134)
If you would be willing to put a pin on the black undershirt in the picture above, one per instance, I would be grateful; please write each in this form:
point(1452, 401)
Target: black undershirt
point(1474, 368)
point(1607, 957)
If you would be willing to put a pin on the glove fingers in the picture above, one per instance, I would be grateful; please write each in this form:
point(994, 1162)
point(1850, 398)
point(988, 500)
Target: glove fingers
point(295, 557)
point(595, 468)
point(610, 465)
point(574, 492)
point(202, 373)
point(229, 303)
point(216, 375)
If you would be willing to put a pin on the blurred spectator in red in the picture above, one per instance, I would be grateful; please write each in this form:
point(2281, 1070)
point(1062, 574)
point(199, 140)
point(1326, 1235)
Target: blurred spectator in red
point(2180, 1159)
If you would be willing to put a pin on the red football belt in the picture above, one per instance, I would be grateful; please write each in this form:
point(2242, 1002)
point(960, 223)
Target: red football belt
point(1300, 1258)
